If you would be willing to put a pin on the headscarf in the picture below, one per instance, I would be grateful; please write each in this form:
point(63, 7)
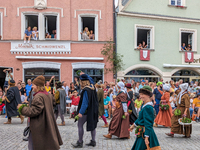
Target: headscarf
point(166, 87)
point(121, 85)
point(183, 88)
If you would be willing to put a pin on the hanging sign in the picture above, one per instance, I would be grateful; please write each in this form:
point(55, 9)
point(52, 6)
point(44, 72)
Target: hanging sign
point(145, 55)
point(189, 57)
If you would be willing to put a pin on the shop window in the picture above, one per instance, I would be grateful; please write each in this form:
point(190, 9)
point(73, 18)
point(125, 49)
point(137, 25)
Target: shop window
point(144, 37)
point(96, 74)
point(88, 27)
point(188, 40)
point(142, 74)
point(50, 27)
point(31, 20)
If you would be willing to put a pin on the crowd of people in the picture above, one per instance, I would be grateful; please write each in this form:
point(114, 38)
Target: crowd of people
point(34, 34)
point(186, 48)
point(125, 102)
point(86, 34)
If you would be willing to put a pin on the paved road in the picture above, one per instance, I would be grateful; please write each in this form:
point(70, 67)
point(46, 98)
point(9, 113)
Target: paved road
point(11, 137)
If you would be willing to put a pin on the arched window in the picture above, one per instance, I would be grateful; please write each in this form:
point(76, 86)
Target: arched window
point(141, 73)
point(185, 73)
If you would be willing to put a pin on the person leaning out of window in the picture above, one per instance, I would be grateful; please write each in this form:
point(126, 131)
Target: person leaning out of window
point(183, 47)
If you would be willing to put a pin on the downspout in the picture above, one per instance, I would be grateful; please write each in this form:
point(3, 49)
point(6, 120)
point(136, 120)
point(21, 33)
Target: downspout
point(114, 31)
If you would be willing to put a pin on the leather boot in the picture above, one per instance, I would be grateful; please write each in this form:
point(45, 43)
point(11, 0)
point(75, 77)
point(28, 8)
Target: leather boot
point(77, 145)
point(8, 122)
point(22, 118)
point(105, 126)
point(109, 136)
point(62, 124)
point(169, 134)
point(92, 143)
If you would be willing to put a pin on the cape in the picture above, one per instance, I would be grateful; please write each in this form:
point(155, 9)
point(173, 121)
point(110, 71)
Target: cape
point(62, 100)
point(133, 116)
point(92, 110)
point(12, 100)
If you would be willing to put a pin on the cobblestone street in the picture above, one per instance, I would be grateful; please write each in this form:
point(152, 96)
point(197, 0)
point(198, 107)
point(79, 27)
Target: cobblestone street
point(11, 137)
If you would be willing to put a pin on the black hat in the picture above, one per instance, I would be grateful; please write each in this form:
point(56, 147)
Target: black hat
point(84, 77)
point(12, 81)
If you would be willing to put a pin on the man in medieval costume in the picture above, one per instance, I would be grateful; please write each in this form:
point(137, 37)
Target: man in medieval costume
point(183, 105)
point(12, 99)
point(119, 124)
point(87, 110)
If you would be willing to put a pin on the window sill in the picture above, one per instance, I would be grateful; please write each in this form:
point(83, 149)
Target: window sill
point(145, 49)
point(180, 51)
point(177, 6)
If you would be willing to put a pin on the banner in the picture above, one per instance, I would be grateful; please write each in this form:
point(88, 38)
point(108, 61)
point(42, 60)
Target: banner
point(145, 55)
point(189, 57)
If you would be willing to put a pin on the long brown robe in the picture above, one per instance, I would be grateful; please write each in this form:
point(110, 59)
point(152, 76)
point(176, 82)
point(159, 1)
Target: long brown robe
point(100, 95)
point(43, 127)
point(175, 126)
point(119, 126)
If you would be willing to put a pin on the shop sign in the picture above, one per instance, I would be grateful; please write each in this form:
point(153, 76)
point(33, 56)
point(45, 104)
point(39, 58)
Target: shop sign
point(41, 46)
point(145, 55)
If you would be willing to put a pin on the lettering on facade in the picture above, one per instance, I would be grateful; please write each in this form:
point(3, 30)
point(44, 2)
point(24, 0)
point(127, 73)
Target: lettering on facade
point(196, 60)
point(31, 46)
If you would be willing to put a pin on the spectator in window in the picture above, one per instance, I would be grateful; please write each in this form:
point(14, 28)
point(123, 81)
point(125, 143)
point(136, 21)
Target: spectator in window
point(85, 34)
point(47, 36)
point(144, 45)
point(35, 33)
point(183, 47)
point(9, 76)
point(52, 35)
point(139, 46)
point(28, 87)
point(55, 35)
point(27, 35)
point(91, 36)
point(189, 48)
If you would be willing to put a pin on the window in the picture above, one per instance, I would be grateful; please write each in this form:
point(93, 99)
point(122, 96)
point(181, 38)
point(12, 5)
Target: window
point(177, 2)
point(50, 27)
point(188, 40)
point(96, 74)
point(88, 27)
point(46, 24)
point(144, 35)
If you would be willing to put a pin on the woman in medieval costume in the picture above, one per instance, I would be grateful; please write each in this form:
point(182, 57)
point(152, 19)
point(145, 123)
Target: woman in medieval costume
point(119, 126)
point(87, 110)
point(12, 99)
point(60, 98)
point(44, 133)
point(145, 121)
point(100, 96)
point(131, 105)
point(183, 105)
point(164, 116)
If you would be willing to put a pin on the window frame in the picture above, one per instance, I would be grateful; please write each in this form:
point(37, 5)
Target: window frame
point(152, 34)
point(194, 38)
point(95, 26)
point(1, 27)
point(41, 23)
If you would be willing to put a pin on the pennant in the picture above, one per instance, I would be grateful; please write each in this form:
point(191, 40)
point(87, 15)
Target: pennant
point(189, 57)
point(145, 55)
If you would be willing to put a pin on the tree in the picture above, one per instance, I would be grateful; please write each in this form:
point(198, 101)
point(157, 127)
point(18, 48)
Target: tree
point(115, 59)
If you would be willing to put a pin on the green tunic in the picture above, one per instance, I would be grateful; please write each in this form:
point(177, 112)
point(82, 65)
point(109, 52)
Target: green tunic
point(146, 119)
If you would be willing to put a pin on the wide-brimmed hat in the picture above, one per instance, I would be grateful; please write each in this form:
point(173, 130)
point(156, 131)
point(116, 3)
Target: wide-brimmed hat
point(147, 90)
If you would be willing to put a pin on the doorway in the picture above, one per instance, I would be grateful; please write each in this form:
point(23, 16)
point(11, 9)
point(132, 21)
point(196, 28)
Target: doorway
point(2, 77)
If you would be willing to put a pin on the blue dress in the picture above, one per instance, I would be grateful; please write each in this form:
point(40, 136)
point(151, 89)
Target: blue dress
point(146, 119)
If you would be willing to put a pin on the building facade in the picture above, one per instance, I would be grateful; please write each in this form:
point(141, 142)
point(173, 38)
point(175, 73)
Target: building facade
point(65, 51)
point(163, 26)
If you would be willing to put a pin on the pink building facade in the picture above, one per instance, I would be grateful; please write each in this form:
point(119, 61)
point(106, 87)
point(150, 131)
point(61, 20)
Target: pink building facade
point(64, 52)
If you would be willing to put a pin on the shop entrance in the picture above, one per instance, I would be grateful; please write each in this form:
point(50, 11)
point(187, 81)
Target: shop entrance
point(197, 78)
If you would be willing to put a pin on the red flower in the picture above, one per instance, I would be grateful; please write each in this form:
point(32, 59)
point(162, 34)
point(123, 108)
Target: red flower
point(138, 133)
point(140, 129)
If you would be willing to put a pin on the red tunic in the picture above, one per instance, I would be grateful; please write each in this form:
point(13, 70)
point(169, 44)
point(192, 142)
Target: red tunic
point(1, 106)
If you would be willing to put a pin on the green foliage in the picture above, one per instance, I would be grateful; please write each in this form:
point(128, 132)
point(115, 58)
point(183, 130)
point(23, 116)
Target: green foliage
point(186, 120)
point(118, 80)
point(78, 72)
point(164, 107)
point(77, 117)
point(177, 112)
point(115, 59)
point(138, 131)
point(21, 107)
point(123, 117)
point(1, 100)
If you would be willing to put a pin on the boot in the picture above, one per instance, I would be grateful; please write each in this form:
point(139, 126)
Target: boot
point(8, 122)
point(109, 136)
point(77, 145)
point(92, 143)
point(105, 126)
point(170, 134)
point(22, 118)
point(25, 139)
point(155, 125)
point(62, 124)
